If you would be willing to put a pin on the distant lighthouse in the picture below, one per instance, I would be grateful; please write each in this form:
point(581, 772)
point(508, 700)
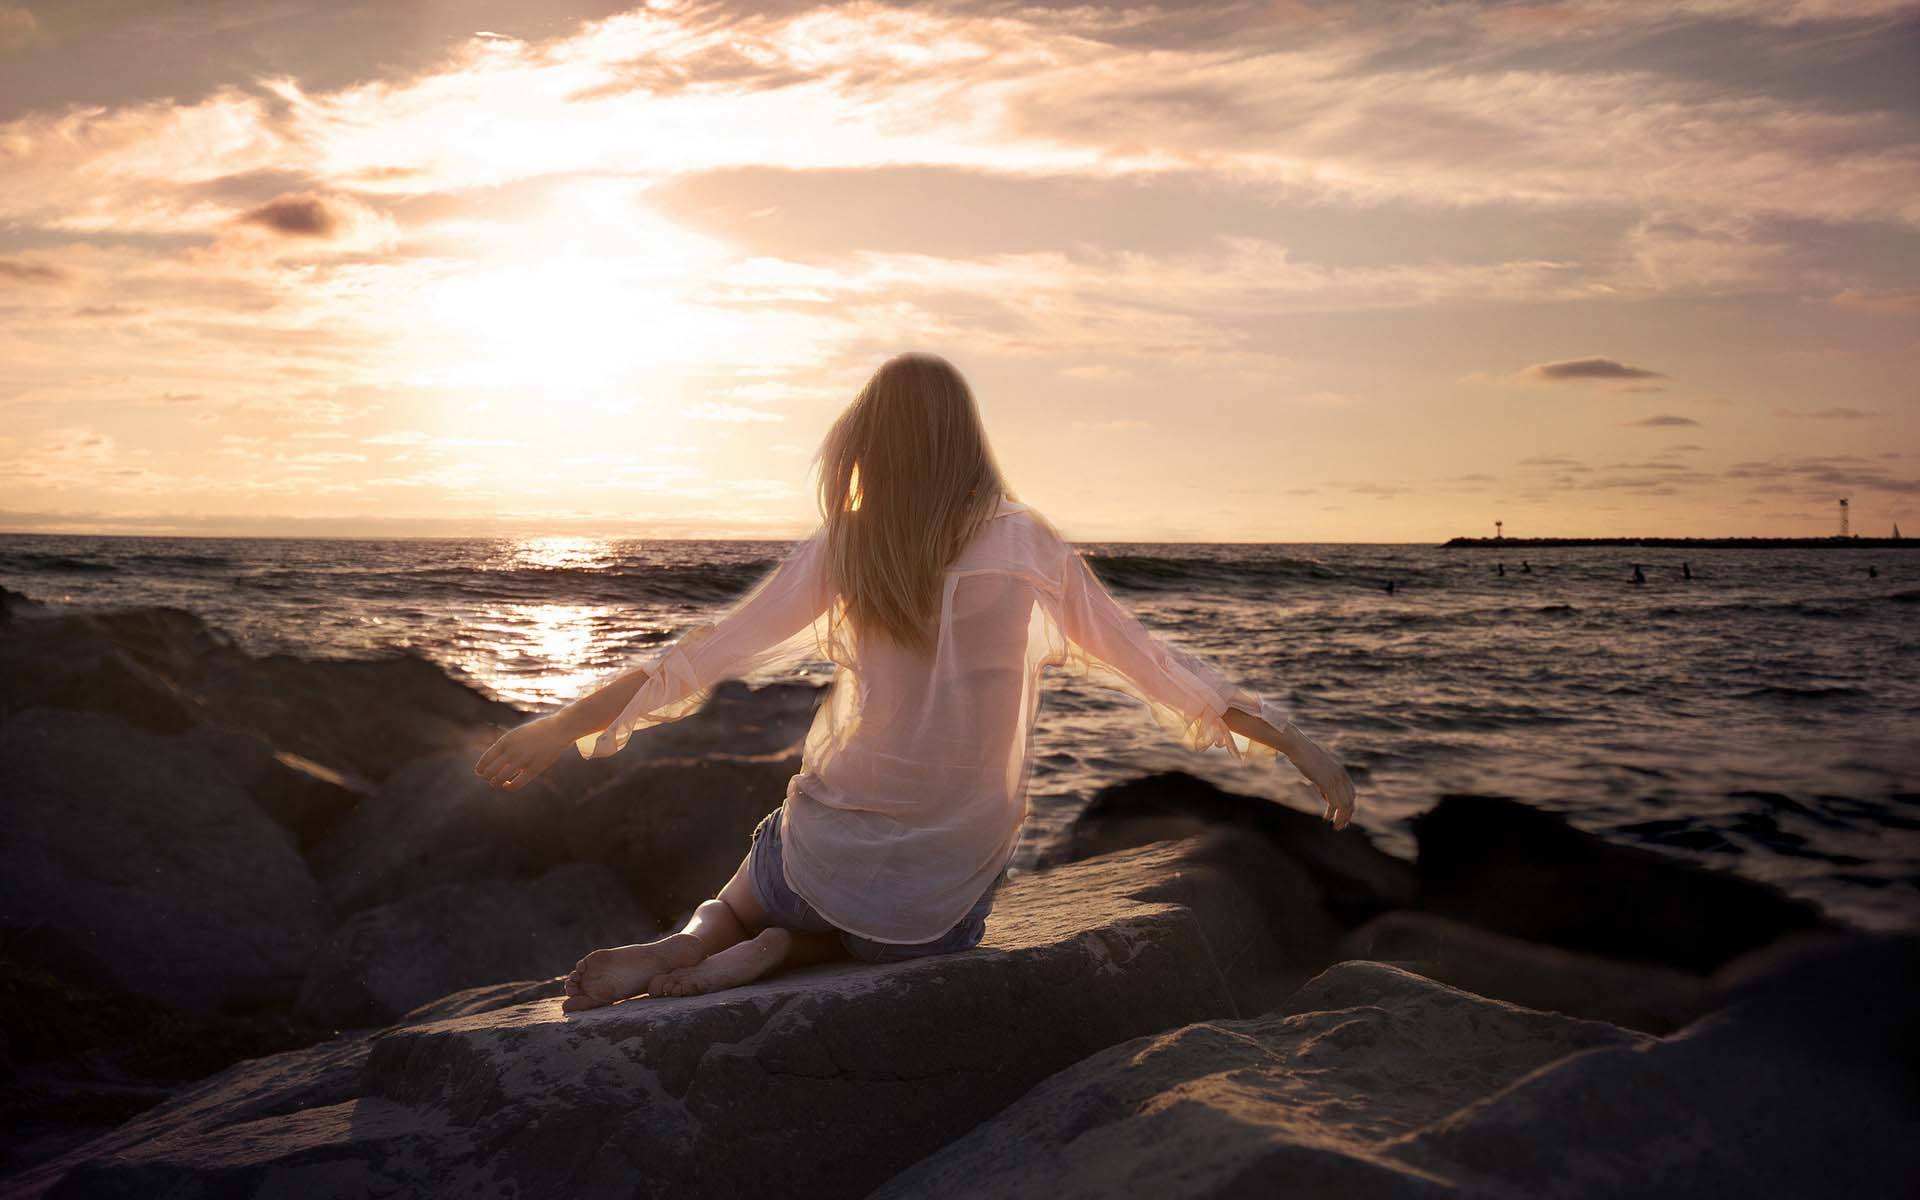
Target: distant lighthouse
point(1843, 516)
point(1498, 524)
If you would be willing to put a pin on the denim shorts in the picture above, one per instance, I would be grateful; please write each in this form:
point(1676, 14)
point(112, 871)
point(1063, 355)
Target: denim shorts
point(787, 910)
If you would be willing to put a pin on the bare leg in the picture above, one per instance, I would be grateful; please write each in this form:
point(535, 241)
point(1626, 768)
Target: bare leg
point(605, 976)
point(748, 960)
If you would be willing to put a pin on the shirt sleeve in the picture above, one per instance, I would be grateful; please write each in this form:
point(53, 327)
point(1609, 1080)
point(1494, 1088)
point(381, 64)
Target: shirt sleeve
point(1102, 643)
point(778, 620)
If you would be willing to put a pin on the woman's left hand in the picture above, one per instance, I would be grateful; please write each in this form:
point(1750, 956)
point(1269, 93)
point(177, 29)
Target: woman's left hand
point(522, 754)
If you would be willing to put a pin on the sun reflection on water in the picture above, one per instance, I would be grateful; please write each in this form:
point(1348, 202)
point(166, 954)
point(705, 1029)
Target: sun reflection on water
point(542, 655)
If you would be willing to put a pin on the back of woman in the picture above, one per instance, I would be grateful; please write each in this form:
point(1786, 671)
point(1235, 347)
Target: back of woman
point(940, 600)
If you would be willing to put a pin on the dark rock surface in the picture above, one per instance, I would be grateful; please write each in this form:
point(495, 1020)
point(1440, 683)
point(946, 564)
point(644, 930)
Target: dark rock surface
point(1354, 879)
point(164, 670)
point(1373, 1081)
point(1306, 1100)
point(818, 1082)
point(1512, 869)
point(1806, 1084)
point(1643, 996)
point(122, 852)
point(382, 962)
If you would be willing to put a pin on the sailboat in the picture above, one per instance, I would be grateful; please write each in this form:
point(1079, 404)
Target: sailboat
point(1896, 531)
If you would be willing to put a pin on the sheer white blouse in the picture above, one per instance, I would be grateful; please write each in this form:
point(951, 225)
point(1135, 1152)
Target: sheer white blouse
point(912, 786)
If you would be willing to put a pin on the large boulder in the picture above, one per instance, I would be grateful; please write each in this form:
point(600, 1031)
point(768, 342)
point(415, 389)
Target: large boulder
point(1807, 1083)
point(1643, 996)
point(1377, 1082)
point(1355, 879)
point(382, 962)
point(433, 821)
point(260, 1089)
point(54, 658)
point(675, 829)
point(310, 800)
point(823, 1081)
point(1516, 870)
point(137, 860)
point(1303, 1101)
point(165, 670)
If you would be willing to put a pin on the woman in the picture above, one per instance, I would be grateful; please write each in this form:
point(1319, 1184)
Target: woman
point(939, 599)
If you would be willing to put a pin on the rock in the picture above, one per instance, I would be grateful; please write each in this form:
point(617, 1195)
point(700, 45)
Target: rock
point(135, 857)
point(52, 658)
point(823, 1081)
point(1807, 1084)
point(675, 829)
point(165, 670)
point(1355, 880)
point(308, 799)
point(260, 1089)
point(382, 962)
point(737, 721)
point(1501, 865)
point(363, 717)
point(434, 821)
point(1648, 998)
point(1307, 1100)
point(10, 600)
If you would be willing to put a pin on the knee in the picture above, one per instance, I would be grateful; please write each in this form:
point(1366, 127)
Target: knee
point(718, 909)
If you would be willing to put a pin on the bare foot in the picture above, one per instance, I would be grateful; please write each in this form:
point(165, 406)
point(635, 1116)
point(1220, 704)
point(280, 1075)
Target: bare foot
point(740, 963)
point(605, 976)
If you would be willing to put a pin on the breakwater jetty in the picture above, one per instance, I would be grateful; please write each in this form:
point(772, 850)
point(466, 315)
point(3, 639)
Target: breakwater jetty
point(1689, 543)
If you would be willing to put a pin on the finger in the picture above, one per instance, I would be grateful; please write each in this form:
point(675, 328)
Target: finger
point(486, 759)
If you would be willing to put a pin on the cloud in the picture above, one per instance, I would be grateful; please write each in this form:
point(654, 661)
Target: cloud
point(21, 271)
point(1662, 421)
point(1827, 414)
point(17, 27)
point(305, 215)
point(1838, 474)
point(714, 410)
point(1890, 301)
point(1587, 368)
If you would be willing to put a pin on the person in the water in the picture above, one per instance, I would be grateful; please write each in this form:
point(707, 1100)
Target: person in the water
point(1526, 568)
point(1500, 569)
point(1389, 587)
point(1686, 572)
point(1638, 575)
point(1873, 572)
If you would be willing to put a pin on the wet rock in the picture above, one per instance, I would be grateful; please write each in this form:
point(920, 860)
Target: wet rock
point(382, 962)
point(1648, 998)
point(136, 859)
point(1516, 870)
point(1307, 1100)
point(823, 1081)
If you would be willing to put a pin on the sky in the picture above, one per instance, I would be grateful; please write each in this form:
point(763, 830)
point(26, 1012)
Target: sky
point(1279, 272)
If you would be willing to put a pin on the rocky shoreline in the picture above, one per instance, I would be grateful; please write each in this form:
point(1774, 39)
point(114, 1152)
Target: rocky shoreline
point(264, 933)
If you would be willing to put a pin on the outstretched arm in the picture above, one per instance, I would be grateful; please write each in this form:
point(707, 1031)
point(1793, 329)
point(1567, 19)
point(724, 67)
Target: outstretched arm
point(1184, 693)
point(770, 623)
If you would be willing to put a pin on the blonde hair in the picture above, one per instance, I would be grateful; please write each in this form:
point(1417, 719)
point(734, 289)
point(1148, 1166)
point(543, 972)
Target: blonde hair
point(906, 480)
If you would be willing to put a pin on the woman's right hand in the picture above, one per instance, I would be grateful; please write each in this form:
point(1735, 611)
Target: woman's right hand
point(1325, 772)
point(522, 754)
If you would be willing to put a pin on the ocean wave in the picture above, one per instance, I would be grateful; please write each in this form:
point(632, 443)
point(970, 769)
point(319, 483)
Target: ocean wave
point(1775, 691)
point(1152, 572)
point(29, 561)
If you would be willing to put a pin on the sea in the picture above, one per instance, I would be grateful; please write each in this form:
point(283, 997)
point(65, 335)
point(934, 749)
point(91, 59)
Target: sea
point(1761, 716)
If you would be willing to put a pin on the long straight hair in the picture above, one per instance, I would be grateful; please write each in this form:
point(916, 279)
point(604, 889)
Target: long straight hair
point(906, 480)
